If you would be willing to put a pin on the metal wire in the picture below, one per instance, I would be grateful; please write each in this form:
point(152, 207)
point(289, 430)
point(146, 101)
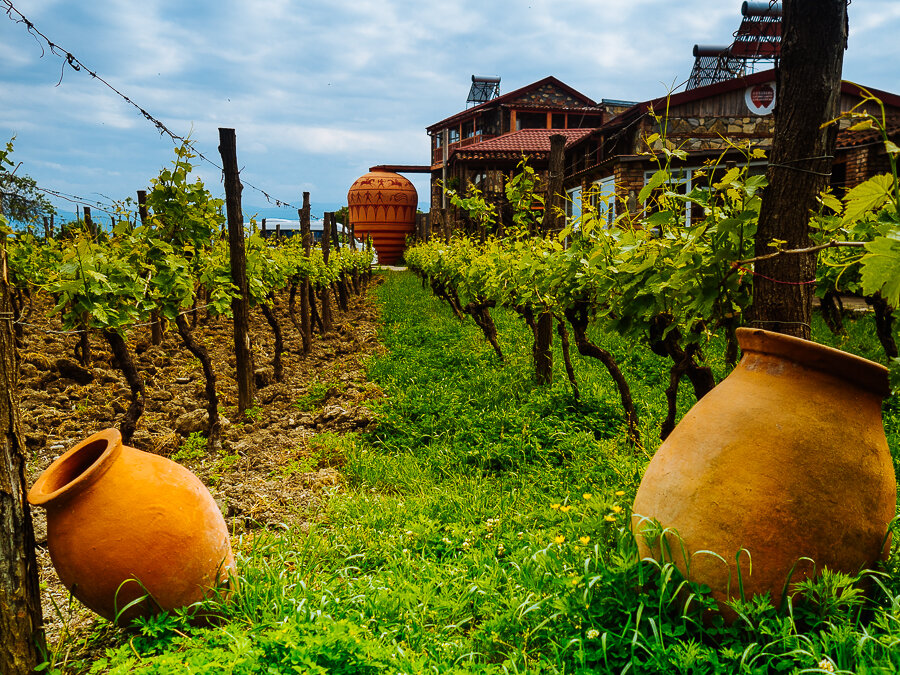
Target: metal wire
point(73, 62)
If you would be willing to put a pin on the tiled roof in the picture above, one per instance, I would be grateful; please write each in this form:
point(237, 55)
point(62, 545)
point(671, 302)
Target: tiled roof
point(849, 139)
point(512, 96)
point(518, 143)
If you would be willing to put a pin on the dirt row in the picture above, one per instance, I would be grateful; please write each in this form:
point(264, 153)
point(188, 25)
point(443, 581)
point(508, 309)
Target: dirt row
point(276, 464)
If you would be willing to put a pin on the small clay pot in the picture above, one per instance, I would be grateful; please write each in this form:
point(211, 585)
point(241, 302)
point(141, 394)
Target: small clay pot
point(123, 524)
point(779, 471)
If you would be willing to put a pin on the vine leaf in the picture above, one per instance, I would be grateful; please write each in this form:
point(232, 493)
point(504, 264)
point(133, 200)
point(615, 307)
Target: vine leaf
point(867, 197)
point(881, 269)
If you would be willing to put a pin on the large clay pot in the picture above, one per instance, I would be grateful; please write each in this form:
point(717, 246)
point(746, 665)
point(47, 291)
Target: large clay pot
point(122, 523)
point(784, 462)
point(383, 204)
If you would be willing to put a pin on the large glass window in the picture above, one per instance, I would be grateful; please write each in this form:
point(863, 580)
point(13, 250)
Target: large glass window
point(573, 204)
point(603, 199)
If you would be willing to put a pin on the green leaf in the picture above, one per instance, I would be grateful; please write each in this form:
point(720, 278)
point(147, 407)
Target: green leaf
point(881, 268)
point(655, 181)
point(865, 125)
point(867, 197)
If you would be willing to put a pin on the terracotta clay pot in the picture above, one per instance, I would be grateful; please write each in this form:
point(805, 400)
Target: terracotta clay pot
point(784, 462)
point(383, 204)
point(122, 523)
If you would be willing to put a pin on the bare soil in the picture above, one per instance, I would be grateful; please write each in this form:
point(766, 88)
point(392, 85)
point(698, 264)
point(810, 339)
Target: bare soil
point(277, 464)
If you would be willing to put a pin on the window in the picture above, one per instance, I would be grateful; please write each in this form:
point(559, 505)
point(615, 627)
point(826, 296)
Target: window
point(528, 120)
point(468, 129)
point(603, 199)
point(573, 204)
point(559, 121)
point(454, 135)
point(680, 182)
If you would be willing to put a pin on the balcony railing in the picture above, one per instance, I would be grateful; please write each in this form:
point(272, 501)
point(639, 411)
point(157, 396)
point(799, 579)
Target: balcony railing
point(437, 154)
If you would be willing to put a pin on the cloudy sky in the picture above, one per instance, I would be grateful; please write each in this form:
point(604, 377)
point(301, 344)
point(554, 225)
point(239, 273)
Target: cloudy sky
point(320, 90)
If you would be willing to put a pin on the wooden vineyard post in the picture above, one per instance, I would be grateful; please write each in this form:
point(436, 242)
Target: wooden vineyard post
point(305, 313)
point(89, 222)
point(553, 221)
point(808, 81)
point(21, 636)
point(155, 321)
point(240, 305)
point(325, 291)
point(47, 231)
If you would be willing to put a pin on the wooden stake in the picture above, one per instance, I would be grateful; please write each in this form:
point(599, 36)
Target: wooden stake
point(240, 305)
point(324, 292)
point(20, 600)
point(305, 314)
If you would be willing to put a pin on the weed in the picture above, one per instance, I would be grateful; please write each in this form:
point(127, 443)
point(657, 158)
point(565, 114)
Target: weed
point(317, 393)
point(193, 447)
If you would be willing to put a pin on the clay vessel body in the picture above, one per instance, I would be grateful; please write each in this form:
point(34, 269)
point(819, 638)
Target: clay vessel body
point(383, 204)
point(122, 523)
point(784, 462)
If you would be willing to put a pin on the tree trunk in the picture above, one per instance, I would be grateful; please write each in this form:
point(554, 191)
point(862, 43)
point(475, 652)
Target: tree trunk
point(314, 311)
point(884, 320)
point(21, 632)
point(578, 319)
point(277, 366)
point(479, 312)
point(832, 312)
point(126, 364)
point(808, 90)
point(214, 434)
point(567, 357)
point(543, 352)
point(83, 350)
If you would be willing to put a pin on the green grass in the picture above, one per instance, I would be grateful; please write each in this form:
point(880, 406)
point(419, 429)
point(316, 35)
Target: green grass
point(482, 529)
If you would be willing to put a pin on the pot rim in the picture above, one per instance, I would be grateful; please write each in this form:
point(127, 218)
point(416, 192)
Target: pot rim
point(39, 495)
point(866, 374)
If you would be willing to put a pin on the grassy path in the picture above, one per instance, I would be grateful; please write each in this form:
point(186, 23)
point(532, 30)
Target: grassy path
point(481, 529)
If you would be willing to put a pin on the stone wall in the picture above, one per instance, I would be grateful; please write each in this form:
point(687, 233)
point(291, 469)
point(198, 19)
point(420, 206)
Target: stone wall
point(549, 95)
point(705, 133)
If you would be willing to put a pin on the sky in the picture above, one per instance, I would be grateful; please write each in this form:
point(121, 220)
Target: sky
point(319, 91)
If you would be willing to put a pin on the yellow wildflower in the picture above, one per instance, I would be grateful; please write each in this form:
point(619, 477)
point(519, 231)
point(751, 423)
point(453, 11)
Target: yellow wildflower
point(586, 496)
point(620, 493)
point(584, 540)
point(559, 539)
point(566, 508)
point(554, 506)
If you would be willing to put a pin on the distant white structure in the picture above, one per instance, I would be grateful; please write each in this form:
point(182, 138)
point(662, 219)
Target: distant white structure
point(288, 228)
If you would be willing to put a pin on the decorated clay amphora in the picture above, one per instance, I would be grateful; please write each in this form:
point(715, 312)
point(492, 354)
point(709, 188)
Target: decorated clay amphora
point(383, 204)
point(123, 525)
point(780, 471)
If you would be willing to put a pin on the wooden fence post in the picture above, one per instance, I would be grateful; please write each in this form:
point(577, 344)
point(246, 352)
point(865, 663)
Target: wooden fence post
point(156, 325)
point(305, 312)
point(325, 292)
point(240, 305)
point(89, 222)
point(21, 635)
